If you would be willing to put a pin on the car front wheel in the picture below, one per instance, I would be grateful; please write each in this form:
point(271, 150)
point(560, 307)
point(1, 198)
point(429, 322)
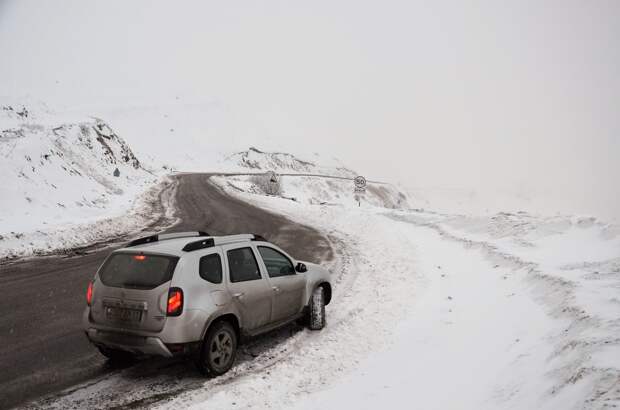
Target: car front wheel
point(317, 310)
point(218, 349)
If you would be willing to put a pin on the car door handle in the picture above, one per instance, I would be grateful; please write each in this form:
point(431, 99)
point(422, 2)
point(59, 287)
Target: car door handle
point(238, 295)
point(275, 288)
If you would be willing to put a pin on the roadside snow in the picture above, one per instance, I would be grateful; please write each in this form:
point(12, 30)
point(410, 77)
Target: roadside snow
point(465, 333)
point(313, 190)
point(435, 311)
point(67, 182)
point(361, 316)
point(430, 311)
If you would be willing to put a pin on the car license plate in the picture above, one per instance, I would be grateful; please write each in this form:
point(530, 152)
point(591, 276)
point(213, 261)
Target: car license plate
point(116, 314)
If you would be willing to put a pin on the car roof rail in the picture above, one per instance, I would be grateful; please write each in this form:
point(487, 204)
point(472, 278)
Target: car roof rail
point(165, 236)
point(201, 244)
point(222, 240)
point(243, 237)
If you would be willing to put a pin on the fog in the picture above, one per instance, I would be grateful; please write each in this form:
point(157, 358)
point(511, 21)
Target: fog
point(520, 98)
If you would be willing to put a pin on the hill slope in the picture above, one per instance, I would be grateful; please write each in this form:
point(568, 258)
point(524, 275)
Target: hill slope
point(59, 171)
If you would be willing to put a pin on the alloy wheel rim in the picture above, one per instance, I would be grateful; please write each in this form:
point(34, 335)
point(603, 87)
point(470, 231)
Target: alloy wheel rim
point(221, 350)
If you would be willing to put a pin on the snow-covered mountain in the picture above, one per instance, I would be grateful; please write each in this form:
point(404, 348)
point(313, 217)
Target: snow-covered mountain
point(58, 171)
point(254, 160)
point(309, 181)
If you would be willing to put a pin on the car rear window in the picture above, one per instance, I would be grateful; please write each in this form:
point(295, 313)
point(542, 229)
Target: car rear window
point(137, 271)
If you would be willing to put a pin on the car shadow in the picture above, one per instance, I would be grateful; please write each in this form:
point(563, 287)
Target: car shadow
point(150, 380)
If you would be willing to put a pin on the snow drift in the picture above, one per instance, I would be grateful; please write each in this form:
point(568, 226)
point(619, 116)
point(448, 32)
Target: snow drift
point(58, 171)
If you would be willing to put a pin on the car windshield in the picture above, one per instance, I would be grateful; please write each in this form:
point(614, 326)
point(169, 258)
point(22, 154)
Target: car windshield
point(137, 271)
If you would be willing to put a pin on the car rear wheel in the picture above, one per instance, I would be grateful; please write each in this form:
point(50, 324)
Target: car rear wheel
point(316, 311)
point(219, 349)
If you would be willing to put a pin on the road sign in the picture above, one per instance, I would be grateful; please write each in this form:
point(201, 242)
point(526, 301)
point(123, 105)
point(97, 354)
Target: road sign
point(360, 183)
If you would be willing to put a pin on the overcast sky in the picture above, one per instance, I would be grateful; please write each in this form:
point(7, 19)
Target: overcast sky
point(521, 95)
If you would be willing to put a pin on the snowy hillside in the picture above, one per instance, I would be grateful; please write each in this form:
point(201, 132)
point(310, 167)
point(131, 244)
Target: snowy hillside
point(179, 135)
point(315, 181)
point(255, 160)
point(71, 180)
point(59, 171)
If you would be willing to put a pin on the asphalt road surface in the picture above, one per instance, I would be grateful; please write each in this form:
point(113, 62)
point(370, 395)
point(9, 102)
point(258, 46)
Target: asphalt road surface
point(42, 345)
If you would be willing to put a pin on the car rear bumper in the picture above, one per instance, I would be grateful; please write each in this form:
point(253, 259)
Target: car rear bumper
point(147, 345)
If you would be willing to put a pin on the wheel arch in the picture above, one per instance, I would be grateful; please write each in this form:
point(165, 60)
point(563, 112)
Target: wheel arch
point(226, 317)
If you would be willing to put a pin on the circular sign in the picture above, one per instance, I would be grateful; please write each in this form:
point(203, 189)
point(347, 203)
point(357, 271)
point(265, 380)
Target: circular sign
point(360, 182)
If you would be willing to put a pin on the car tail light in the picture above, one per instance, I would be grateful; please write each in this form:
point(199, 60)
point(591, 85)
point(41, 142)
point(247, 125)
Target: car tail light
point(175, 302)
point(89, 293)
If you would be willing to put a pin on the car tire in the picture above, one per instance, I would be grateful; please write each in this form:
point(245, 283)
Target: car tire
point(218, 350)
point(316, 311)
point(117, 356)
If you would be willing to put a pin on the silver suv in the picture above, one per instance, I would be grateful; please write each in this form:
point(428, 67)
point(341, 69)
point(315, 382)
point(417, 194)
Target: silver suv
point(192, 293)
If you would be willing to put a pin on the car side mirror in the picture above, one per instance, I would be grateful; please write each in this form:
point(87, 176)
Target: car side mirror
point(301, 267)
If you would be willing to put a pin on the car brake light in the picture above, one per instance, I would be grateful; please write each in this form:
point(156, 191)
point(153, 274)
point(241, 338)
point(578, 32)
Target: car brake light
point(139, 257)
point(89, 294)
point(175, 302)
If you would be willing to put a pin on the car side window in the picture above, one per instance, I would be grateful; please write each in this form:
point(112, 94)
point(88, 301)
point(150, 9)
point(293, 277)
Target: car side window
point(211, 268)
point(277, 263)
point(242, 265)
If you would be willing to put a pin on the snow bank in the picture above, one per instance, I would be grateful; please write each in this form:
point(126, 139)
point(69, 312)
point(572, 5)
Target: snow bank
point(439, 311)
point(526, 199)
point(61, 171)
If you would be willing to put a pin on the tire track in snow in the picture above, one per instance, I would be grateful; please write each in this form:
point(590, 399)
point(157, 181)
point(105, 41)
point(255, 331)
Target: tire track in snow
point(557, 295)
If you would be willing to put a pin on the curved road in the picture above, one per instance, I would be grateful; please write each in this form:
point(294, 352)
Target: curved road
point(43, 348)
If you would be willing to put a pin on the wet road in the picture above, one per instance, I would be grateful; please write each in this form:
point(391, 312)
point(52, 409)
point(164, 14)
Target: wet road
point(42, 346)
